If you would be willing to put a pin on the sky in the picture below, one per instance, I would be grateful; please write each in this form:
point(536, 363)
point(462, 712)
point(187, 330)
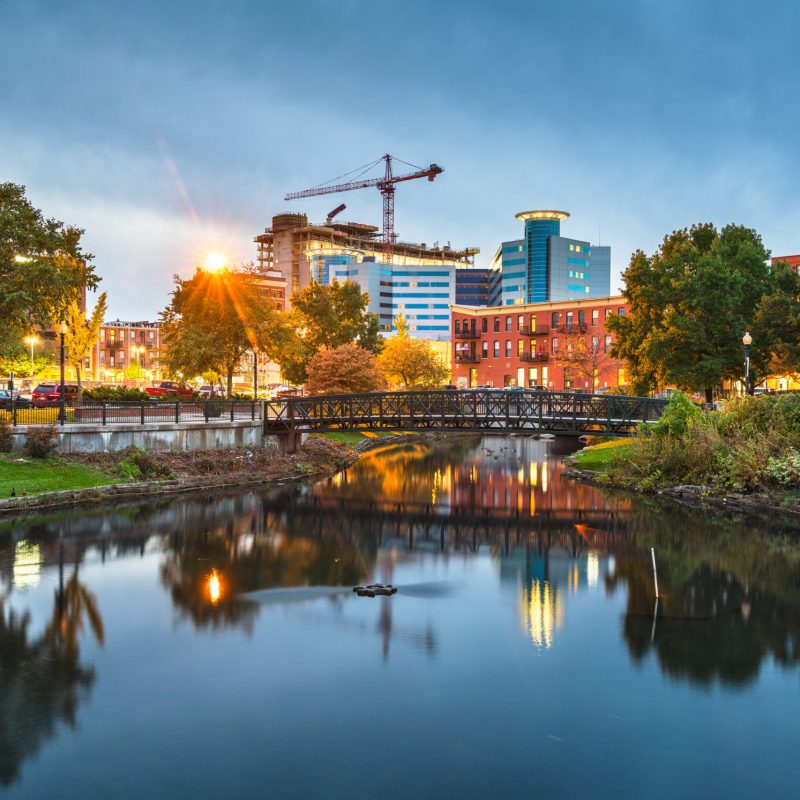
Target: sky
point(168, 129)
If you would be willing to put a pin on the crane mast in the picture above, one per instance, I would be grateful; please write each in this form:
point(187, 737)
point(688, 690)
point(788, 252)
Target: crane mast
point(386, 186)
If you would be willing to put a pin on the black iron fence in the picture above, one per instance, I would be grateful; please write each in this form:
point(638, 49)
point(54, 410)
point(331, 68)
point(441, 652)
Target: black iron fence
point(134, 413)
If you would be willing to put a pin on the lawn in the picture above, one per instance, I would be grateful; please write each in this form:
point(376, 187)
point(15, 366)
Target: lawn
point(32, 476)
point(352, 438)
point(600, 456)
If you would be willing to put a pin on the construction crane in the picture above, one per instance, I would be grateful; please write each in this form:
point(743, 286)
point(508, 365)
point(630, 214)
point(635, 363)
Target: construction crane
point(385, 185)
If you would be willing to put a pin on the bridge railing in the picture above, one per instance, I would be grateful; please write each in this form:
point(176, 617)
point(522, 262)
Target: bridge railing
point(516, 410)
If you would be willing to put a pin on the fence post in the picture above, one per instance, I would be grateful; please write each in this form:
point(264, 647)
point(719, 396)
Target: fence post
point(253, 411)
point(205, 410)
point(142, 403)
point(103, 412)
point(233, 409)
point(177, 411)
point(13, 413)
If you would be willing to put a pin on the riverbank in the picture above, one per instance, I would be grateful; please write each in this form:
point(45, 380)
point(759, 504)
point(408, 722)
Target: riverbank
point(746, 457)
point(95, 477)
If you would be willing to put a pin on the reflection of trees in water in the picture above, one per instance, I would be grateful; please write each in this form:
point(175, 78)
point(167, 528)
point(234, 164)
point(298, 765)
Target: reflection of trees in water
point(249, 562)
point(730, 595)
point(43, 680)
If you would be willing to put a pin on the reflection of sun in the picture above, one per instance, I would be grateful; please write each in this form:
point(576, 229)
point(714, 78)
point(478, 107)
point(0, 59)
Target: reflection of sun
point(214, 587)
point(215, 261)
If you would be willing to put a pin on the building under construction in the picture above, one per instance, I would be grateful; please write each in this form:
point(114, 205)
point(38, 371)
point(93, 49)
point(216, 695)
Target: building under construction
point(419, 281)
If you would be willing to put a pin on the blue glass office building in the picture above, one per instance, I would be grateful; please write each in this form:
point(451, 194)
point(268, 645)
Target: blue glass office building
point(545, 266)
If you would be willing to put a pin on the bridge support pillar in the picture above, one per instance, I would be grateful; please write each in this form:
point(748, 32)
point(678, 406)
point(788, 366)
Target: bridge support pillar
point(290, 442)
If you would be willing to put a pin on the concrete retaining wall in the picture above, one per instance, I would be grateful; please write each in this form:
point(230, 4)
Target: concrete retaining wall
point(154, 436)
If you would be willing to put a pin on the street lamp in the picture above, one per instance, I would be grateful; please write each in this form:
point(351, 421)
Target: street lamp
point(32, 341)
point(747, 340)
point(62, 412)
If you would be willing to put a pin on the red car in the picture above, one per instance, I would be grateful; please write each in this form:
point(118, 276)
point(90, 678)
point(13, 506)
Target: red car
point(49, 394)
point(170, 389)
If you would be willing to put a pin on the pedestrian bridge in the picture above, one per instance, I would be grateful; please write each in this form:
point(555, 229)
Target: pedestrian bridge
point(490, 410)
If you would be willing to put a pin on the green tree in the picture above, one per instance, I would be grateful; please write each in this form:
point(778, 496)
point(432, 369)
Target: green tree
point(213, 319)
point(688, 306)
point(342, 370)
point(82, 333)
point(411, 363)
point(323, 316)
point(19, 362)
point(42, 266)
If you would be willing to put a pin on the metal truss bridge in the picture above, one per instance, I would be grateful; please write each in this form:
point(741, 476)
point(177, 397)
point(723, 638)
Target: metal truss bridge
point(560, 413)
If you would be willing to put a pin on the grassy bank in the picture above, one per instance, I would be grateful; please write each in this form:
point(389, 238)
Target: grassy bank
point(353, 438)
point(33, 476)
point(752, 447)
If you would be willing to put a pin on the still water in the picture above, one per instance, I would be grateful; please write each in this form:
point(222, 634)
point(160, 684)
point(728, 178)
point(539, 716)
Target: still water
point(210, 647)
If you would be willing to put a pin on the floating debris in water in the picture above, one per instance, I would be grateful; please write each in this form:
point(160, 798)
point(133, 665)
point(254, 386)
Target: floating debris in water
point(375, 589)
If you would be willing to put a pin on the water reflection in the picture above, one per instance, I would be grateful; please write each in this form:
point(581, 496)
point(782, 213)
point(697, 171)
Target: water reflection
point(442, 509)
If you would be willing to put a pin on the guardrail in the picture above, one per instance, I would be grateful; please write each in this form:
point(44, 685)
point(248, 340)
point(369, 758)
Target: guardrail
point(134, 413)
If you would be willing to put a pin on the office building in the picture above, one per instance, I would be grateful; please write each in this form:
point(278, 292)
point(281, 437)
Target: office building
point(544, 266)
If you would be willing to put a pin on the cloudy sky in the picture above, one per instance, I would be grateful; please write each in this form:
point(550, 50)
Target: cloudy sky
point(169, 128)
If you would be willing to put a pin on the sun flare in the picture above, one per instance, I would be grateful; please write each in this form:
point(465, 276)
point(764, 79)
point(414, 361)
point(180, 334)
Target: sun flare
point(216, 261)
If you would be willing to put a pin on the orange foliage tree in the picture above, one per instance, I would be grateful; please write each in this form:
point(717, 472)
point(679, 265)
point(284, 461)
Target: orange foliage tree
point(344, 370)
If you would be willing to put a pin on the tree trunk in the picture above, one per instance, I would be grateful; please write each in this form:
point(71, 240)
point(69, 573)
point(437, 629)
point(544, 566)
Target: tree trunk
point(709, 394)
point(78, 379)
point(230, 382)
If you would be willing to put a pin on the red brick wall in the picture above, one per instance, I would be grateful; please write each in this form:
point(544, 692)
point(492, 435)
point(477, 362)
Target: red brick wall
point(531, 347)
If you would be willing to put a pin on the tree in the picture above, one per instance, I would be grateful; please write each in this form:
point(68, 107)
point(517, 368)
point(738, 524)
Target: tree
point(345, 369)
point(82, 333)
point(19, 362)
point(688, 307)
point(583, 357)
point(42, 266)
point(411, 363)
point(213, 319)
point(323, 316)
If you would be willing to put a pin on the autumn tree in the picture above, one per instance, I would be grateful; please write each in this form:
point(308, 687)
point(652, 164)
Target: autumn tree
point(42, 266)
point(213, 319)
point(688, 306)
point(82, 333)
point(323, 316)
point(410, 363)
point(583, 357)
point(345, 369)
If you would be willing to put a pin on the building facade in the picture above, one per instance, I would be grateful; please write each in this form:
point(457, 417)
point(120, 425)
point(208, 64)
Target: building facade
point(558, 346)
point(472, 286)
point(544, 266)
point(127, 351)
point(792, 261)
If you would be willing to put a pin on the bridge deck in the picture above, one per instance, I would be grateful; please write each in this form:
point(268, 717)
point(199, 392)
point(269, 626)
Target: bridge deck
point(546, 412)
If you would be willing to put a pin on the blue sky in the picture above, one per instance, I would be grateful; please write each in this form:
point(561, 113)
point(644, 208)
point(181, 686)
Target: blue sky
point(170, 128)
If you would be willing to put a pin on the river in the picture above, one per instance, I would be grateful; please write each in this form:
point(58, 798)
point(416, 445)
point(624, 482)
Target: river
point(210, 646)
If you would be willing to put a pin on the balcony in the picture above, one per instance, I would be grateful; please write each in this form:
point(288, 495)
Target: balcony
point(526, 330)
point(467, 334)
point(468, 358)
point(534, 358)
point(574, 327)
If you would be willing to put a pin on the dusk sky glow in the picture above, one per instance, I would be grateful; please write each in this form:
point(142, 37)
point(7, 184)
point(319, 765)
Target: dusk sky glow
point(169, 130)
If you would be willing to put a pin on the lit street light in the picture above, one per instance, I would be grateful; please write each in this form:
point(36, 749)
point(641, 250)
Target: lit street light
point(747, 340)
point(32, 341)
point(62, 411)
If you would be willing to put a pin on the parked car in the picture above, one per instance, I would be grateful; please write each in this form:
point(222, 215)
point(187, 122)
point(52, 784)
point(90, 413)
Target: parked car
point(207, 391)
point(49, 394)
point(19, 400)
point(170, 389)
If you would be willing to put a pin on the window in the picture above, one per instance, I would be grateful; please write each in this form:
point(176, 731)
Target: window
point(595, 317)
point(497, 324)
point(554, 320)
point(620, 377)
point(533, 322)
point(520, 347)
point(607, 313)
point(102, 356)
point(520, 322)
point(607, 344)
point(569, 319)
point(508, 323)
point(496, 351)
point(595, 344)
point(485, 324)
point(485, 349)
point(554, 345)
point(622, 311)
point(508, 348)
point(458, 326)
point(533, 376)
point(581, 318)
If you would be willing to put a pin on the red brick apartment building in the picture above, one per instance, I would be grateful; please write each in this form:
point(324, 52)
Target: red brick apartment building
point(127, 350)
point(792, 261)
point(559, 345)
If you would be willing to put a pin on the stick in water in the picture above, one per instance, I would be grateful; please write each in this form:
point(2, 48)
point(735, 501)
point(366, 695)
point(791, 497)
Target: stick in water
point(655, 574)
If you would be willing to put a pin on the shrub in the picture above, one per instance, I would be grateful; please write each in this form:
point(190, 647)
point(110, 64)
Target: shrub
point(342, 370)
point(680, 410)
point(6, 436)
point(785, 470)
point(113, 394)
point(142, 464)
point(41, 441)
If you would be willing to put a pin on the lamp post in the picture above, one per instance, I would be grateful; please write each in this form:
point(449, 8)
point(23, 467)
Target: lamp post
point(62, 411)
point(255, 375)
point(32, 341)
point(747, 340)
